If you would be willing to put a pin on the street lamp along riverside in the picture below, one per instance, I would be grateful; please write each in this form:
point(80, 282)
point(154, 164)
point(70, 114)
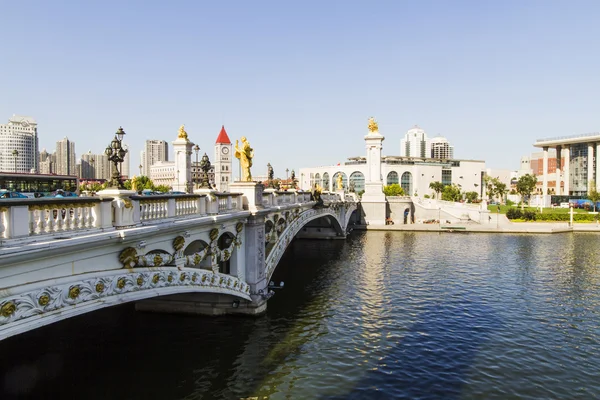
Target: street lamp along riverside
point(116, 154)
point(15, 154)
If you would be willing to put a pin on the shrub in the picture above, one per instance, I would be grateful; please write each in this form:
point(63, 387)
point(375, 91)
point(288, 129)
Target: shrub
point(529, 215)
point(514, 213)
point(393, 190)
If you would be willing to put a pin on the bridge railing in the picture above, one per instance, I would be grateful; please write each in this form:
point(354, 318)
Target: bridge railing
point(284, 197)
point(229, 202)
point(33, 217)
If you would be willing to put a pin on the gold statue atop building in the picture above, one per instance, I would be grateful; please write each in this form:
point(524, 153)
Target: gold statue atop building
point(373, 127)
point(340, 182)
point(245, 154)
point(182, 133)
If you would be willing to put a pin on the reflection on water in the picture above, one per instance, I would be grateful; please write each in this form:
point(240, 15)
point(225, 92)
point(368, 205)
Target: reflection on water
point(381, 315)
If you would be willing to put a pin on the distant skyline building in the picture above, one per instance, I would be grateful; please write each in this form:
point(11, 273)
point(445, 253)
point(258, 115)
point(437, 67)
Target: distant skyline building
point(441, 149)
point(19, 145)
point(47, 162)
point(65, 157)
point(154, 151)
point(415, 143)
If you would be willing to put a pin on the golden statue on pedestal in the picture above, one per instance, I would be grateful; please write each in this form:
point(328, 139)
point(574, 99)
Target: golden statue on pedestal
point(373, 127)
point(182, 133)
point(245, 154)
point(340, 182)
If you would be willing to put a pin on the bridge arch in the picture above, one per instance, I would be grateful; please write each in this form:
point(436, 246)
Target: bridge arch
point(337, 216)
point(41, 303)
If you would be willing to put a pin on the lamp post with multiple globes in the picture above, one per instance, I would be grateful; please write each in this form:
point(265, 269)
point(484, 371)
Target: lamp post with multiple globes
point(116, 154)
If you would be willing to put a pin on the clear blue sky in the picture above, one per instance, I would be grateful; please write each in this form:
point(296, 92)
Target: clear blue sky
point(300, 79)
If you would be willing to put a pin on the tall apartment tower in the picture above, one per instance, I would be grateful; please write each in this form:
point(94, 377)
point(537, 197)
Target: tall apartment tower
point(441, 149)
point(154, 151)
point(47, 164)
point(223, 162)
point(65, 157)
point(415, 144)
point(19, 145)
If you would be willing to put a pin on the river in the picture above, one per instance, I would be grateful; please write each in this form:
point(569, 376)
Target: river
point(381, 315)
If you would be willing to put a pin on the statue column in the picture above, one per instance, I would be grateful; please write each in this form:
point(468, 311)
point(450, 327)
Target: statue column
point(590, 165)
point(558, 168)
point(183, 162)
point(373, 202)
point(567, 155)
point(545, 175)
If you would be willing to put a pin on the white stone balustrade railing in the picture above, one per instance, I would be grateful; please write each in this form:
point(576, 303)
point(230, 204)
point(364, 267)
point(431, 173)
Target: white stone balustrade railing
point(169, 206)
point(229, 202)
point(32, 217)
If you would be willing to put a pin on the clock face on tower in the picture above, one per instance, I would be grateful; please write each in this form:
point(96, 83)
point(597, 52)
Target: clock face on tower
point(225, 150)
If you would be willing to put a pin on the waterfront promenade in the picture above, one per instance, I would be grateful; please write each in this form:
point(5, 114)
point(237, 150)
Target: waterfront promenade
point(498, 224)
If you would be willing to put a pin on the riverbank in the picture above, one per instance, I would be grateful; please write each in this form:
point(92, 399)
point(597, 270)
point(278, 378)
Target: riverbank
point(504, 227)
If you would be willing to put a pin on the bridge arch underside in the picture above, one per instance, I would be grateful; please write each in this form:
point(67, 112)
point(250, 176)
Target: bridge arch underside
point(43, 303)
point(326, 227)
point(313, 224)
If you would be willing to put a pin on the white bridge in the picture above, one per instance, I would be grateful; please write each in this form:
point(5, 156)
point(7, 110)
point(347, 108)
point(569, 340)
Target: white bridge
point(200, 253)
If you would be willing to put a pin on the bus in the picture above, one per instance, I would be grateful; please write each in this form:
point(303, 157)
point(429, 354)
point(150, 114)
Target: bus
point(37, 185)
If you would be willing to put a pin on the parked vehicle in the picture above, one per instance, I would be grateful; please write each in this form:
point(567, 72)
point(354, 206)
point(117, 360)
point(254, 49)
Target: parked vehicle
point(5, 194)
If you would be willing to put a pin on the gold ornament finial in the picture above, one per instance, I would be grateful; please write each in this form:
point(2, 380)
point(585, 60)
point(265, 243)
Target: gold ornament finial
point(373, 128)
point(182, 133)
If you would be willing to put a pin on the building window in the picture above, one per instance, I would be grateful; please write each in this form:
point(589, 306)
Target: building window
point(392, 178)
point(407, 183)
point(446, 177)
point(357, 182)
point(325, 181)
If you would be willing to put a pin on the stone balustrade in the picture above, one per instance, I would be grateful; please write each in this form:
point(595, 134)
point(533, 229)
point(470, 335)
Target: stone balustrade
point(33, 217)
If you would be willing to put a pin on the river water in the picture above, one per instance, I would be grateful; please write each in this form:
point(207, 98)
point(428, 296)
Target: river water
point(381, 315)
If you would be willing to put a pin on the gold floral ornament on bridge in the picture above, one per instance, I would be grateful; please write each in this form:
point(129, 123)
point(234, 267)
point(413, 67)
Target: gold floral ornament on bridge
point(373, 127)
point(245, 154)
point(182, 133)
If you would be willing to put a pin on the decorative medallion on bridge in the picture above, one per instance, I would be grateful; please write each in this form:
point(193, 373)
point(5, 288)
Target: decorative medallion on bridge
point(129, 257)
point(157, 260)
point(44, 300)
point(178, 243)
point(155, 278)
point(74, 292)
point(8, 309)
point(100, 287)
point(121, 283)
point(140, 280)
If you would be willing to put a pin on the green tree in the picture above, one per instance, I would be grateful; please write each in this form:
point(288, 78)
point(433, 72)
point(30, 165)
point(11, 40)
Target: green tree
point(593, 194)
point(451, 193)
point(525, 186)
point(393, 190)
point(471, 197)
point(437, 187)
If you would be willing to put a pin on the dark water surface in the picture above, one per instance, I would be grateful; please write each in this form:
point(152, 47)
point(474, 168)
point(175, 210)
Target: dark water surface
point(382, 315)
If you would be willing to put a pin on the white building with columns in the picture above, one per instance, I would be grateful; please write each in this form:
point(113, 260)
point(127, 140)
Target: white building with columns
point(414, 174)
point(578, 167)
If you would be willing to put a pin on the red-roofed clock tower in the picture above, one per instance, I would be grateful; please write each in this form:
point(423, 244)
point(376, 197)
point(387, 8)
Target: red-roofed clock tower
point(223, 161)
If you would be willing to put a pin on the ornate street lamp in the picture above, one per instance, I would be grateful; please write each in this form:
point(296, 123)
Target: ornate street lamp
point(205, 167)
point(15, 154)
point(116, 154)
point(140, 167)
point(197, 174)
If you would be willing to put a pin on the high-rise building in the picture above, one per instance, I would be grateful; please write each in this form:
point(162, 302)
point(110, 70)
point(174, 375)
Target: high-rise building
point(154, 151)
point(19, 145)
point(223, 161)
point(441, 149)
point(65, 157)
point(47, 164)
point(415, 144)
